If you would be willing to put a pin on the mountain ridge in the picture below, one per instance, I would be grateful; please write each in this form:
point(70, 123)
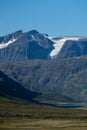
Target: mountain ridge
point(24, 46)
point(45, 64)
point(64, 76)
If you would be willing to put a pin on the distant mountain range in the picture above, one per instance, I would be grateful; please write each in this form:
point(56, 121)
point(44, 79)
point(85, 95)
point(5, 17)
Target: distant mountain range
point(21, 47)
point(46, 65)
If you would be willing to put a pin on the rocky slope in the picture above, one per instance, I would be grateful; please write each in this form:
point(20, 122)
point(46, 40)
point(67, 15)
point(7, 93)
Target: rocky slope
point(46, 64)
point(20, 47)
point(66, 76)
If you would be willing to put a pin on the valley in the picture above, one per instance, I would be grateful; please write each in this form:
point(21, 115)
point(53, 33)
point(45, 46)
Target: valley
point(16, 114)
point(43, 82)
point(43, 65)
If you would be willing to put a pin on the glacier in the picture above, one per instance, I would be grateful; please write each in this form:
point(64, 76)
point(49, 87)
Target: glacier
point(58, 44)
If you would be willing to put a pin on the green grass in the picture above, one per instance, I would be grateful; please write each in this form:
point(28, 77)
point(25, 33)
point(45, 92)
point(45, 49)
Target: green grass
point(18, 115)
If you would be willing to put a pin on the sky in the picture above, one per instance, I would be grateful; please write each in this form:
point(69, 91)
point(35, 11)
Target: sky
point(53, 17)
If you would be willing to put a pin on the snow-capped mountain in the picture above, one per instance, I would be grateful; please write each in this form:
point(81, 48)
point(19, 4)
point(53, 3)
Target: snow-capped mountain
point(26, 46)
point(67, 74)
point(20, 46)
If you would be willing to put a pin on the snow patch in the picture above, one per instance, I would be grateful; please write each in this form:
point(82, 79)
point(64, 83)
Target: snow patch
point(33, 37)
point(58, 44)
point(3, 45)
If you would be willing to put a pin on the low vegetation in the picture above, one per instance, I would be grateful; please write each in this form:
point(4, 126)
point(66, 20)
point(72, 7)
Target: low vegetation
point(15, 115)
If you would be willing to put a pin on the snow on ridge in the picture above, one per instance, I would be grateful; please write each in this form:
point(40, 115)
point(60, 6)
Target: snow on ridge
point(58, 44)
point(72, 38)
point(4, 45)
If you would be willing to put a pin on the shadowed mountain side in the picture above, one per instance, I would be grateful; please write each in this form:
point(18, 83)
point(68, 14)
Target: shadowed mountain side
point(11, 88)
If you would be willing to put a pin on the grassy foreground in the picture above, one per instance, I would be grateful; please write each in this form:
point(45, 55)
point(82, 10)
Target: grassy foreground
point(17, 115)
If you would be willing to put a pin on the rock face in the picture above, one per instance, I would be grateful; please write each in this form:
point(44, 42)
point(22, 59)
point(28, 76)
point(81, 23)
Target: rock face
point(20, 47)
point(74, 49)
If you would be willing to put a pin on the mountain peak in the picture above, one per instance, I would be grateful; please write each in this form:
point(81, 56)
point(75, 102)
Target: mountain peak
point(17, 33)
point(33, 32)
point(35, 45)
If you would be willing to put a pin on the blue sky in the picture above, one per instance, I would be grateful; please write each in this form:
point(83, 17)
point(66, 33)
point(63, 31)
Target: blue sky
point(54, 17)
